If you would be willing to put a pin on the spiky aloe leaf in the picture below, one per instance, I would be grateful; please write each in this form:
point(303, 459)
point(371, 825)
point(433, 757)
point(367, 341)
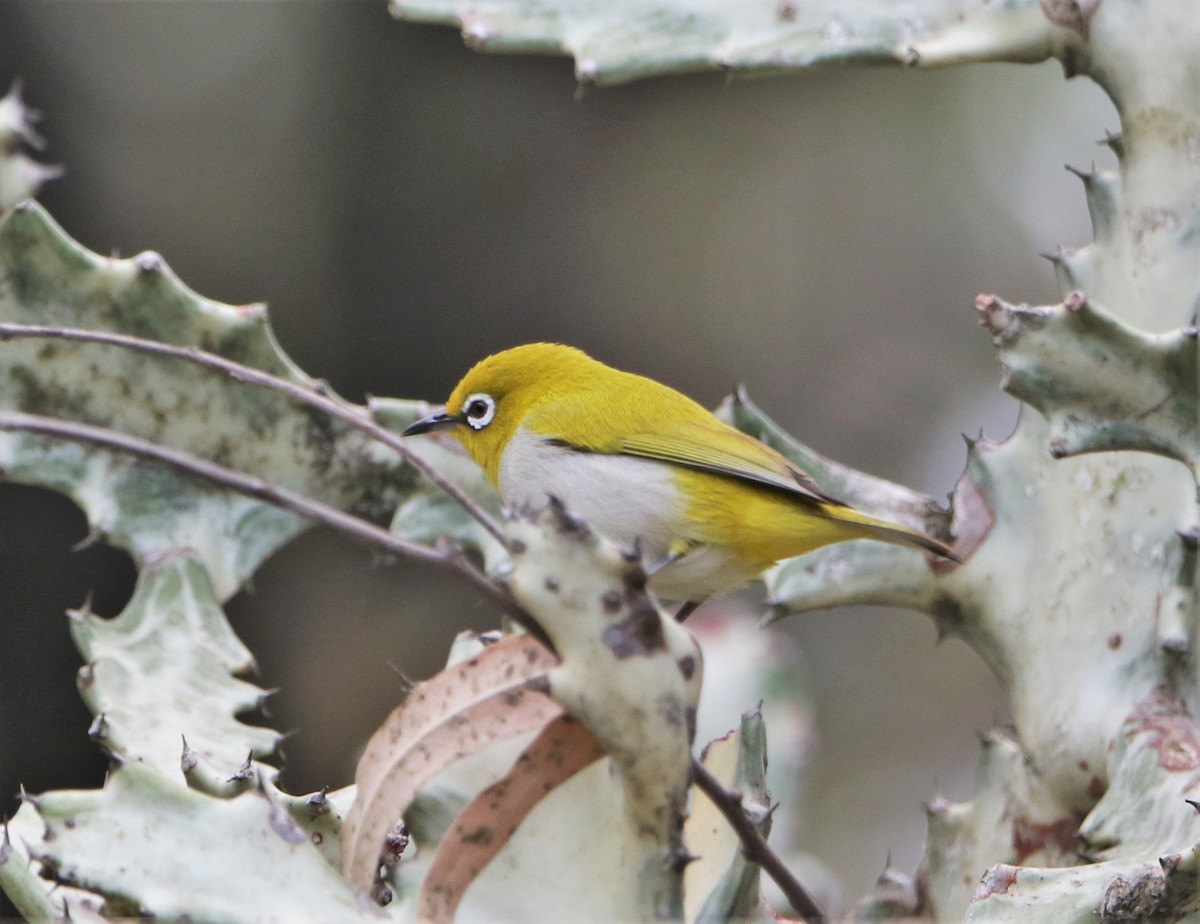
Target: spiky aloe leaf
point(161, 671)
point(1011, 817)
point(46, 278)
point(157, 675)
point(1100, 383)
point(1142, 836)
point(29, 892)
point(626, 39)
point(20, 175)
point(157, 849)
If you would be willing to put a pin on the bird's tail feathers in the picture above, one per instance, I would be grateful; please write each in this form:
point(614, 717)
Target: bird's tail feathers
point(884, 531)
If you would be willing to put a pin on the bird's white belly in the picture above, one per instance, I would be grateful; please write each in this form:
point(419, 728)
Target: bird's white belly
point(626, 499)
point(623, 497)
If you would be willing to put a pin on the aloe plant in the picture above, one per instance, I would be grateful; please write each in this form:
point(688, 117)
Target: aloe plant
point(1079, 536)
point(20, 175)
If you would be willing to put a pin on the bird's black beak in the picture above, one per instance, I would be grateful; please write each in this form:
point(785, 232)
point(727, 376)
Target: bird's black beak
point(439, 421)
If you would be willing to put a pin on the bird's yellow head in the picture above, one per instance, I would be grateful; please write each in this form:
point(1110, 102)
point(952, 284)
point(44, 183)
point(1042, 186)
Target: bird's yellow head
point(497, 395)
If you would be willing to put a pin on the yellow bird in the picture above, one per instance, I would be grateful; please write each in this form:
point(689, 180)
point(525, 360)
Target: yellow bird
point(711, 506)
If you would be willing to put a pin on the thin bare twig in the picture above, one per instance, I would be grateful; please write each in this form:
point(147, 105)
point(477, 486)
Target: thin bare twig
point(448, 558)
point(335, 407)
point(755, 846)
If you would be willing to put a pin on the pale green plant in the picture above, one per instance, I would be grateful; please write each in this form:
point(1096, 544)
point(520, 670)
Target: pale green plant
point(1079, 535)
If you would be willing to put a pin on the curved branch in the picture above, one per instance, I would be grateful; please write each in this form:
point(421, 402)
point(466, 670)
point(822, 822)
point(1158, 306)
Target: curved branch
point(755, 846)
point(448, 557)
point(312, 396)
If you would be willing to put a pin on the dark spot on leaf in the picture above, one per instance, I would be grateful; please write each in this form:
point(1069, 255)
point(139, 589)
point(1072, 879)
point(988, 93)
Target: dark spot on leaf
point(1141, 896)
point(948, 616)
point(568, 524)
point(635, 578)
point(282, 824)
point(639, 633)
point(512, 698)
point(481, 835)
point(1164, 716)
point(1028, 837)
point(687, 666)
point(319, 438)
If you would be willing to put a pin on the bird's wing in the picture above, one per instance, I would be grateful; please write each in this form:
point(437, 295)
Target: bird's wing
point(724, 451)
point(660, 423)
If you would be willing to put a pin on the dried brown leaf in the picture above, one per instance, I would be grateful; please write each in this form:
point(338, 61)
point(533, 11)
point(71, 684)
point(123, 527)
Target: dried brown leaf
point(564, 747)
point(462, 710)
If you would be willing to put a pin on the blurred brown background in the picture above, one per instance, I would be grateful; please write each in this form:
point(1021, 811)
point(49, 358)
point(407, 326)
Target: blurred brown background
point(406, 206)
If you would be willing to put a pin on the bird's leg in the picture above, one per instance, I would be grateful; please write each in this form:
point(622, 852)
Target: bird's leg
point(676, 551)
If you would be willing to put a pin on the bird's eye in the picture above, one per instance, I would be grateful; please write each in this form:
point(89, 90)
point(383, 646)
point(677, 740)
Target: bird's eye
point(479, 410)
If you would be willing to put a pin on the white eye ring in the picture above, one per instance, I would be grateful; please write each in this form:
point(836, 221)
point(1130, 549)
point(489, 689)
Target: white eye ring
point(479, 410)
